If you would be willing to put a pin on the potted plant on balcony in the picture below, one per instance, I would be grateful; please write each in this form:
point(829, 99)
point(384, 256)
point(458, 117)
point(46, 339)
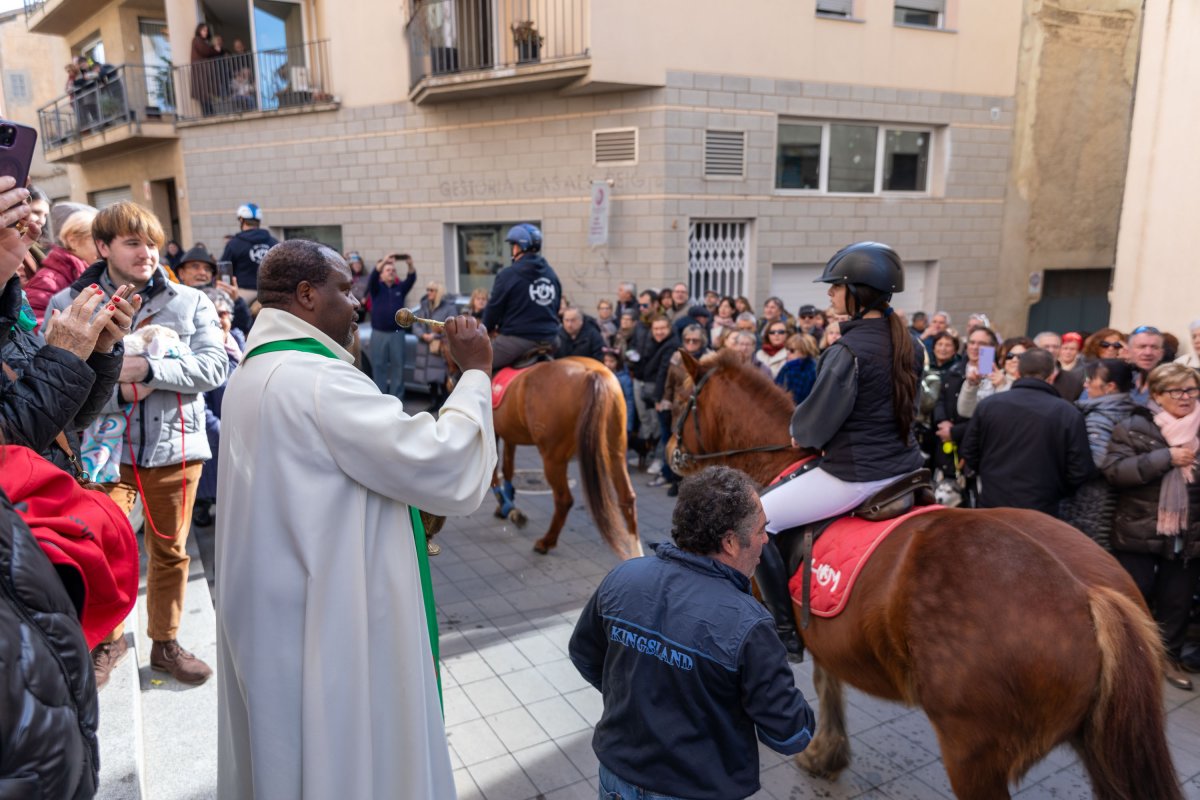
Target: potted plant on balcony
point(527, 40)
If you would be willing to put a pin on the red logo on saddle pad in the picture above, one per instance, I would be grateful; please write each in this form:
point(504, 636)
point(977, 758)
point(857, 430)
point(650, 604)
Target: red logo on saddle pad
point(839, 555)
point(500, 382)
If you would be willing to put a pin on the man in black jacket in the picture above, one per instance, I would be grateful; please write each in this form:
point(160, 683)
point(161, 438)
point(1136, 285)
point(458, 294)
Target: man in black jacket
point(1028, 445)
point(247, 249)
point(579, 336)
point(690, 666)
point(523, 306)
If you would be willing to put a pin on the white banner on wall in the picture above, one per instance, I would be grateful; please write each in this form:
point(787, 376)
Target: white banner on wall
point(598, 218)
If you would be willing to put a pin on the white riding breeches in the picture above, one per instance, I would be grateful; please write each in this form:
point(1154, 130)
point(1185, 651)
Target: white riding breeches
point(814, 496)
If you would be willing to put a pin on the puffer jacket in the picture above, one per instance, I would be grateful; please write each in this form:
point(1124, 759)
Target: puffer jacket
point(48, 708)
point(1138, 458)
point(54, 391)
point(59, 270)
point(1093, 505)
point(155, 425)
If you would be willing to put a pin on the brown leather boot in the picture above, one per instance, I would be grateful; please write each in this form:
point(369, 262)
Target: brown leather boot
point(182, 665)
point(105, 659)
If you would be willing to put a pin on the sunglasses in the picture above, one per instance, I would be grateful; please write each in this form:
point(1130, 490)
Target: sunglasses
point(1012, 356)
point(776, 333)
point(1111, 345)
point(1179, 394)
point(690, 340)
point(643, 305)
point(1146, 329)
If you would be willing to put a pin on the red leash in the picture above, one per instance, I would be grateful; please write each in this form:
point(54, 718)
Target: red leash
point(137, 476)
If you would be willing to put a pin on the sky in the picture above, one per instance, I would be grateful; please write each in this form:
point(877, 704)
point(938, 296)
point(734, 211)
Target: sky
point(9, 5)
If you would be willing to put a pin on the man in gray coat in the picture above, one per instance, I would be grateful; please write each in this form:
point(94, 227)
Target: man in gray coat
point(160, 396)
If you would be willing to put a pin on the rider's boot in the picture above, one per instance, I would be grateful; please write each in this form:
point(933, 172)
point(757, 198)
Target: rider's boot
point(772, 578)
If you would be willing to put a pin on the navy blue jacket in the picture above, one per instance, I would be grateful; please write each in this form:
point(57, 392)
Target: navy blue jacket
point(690, 668)
point(387, 300)
point(525, 300)
point(247, 250)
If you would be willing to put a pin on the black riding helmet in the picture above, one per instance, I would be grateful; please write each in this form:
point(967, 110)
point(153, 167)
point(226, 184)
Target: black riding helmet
point(866, 264)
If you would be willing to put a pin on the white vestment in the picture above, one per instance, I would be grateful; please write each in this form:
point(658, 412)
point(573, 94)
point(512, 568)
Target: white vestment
point(327, 683)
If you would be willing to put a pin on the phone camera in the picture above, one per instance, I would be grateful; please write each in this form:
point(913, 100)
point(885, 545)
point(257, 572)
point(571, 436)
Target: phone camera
point(8, 135)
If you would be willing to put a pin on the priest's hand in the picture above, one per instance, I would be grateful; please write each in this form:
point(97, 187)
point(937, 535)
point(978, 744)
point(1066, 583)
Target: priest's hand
point(469, 344)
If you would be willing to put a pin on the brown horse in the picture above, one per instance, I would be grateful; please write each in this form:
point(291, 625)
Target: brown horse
point(564, 407)
point(1013, 631)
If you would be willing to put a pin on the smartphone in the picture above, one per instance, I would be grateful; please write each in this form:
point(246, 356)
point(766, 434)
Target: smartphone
point(225, 271)
point(16, 150)
point(987, 360)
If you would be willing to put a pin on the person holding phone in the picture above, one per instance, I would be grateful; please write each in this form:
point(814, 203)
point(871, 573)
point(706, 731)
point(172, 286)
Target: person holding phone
point(982, 382)
point(861, 413)
point(388, 294)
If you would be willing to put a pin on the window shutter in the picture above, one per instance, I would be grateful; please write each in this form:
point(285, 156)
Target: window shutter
point(615, 146)
point(932, 6)
point(724, 154)
point(840, 8)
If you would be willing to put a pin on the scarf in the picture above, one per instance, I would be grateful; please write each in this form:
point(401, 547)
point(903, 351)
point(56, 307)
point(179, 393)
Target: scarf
point(1173, 496)
point(771, 349)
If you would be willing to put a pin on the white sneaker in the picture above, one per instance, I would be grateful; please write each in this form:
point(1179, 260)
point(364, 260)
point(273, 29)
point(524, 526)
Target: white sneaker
point(658, 481)
point(655, 466)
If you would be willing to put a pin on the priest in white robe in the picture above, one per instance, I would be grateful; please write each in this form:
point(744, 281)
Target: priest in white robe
point(328, 683)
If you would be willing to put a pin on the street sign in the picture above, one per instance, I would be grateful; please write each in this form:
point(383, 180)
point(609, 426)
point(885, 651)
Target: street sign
point(598, 220)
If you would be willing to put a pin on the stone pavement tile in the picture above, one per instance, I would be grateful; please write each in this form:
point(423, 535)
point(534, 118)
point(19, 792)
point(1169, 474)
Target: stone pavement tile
point(588, 702)
point(457, 707)
point(578, 748)
point(502, 779)
point(537, 648)
point(474, 741)
point(467, 668)
point(1065, 784)
point(563, 676)
point(517, 729)
point(494, 605)
point(465, 784)
point(788, 782)
point(1187, 760)
point(898, 749)
point(872, 766)
point(491, 696)
point(1191, 789)
point(504, 657)
point(935, 775)
point(529, 685)
point(548, 767)
point(557, 717)
point(910, 787)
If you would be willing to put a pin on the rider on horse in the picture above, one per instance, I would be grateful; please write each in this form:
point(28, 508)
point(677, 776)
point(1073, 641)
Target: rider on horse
point(524, 303)
point(860, 413)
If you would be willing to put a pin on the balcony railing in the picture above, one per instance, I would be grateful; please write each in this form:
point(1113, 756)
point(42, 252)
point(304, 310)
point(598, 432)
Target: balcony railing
point(32, 7)
point(448, 37)
point(264, 80)
point(130, 93)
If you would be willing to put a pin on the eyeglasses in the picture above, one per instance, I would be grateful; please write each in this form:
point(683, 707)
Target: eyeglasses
point(643, 305)
point(1146, 329)
point(1179, 394)
point(1111, 345)
point(690, 340)
point(1011, 356)
point(777, 332)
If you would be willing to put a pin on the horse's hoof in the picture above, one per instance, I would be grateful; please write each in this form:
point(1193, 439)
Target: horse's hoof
point(518, 518)
point(540, 547)
point(822, 764)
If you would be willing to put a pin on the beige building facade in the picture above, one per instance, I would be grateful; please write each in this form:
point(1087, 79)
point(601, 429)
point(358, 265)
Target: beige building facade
point(1157, 281)
point(653, 142)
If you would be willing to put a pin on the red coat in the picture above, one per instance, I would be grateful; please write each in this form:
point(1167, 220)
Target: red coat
point(80, 531)
point(60, 268)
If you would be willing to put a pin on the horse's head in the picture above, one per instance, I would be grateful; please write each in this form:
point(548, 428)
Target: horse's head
point(734, 415)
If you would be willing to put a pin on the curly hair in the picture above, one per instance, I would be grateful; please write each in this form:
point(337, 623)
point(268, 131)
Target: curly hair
point(712, 503)
point(291, 262)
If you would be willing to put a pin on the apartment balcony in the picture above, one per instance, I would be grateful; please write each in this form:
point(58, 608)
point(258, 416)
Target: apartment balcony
point(289, 80)
point(125, 107)
point(59, 17)
point(471, 48)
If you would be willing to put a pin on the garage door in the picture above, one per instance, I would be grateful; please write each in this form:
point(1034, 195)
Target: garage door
point(106, 197)
point(794, 283)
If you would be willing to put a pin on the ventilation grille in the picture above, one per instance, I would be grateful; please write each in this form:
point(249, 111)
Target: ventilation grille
point(615, 146)
point(724, 154)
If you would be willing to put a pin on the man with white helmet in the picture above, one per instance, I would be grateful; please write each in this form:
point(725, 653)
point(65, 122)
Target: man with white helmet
point(247, 249)
point(524, 302)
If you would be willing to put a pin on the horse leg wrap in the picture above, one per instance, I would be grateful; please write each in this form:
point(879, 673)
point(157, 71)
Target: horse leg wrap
point(505, 500)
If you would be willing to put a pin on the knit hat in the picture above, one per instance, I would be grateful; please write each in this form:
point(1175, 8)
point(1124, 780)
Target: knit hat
point(61, 212)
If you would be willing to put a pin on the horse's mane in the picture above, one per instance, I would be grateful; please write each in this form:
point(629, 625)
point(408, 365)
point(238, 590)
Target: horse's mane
point(765, 394)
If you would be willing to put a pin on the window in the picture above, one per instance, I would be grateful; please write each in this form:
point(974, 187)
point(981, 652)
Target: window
point(330, 235)
point(481, 253)
point(92, 49)
point(16, 87)
point(836, 8)
point(851, 158)
point(926, 13)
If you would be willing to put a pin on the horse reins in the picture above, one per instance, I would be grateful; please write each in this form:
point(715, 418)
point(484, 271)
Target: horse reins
point(681, 459)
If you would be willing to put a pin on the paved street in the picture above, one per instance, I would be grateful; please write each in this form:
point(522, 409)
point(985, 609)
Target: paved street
point(519, 717)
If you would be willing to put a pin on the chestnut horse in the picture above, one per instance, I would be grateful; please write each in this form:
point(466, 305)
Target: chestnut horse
point(566, 407)
point(1013, 631)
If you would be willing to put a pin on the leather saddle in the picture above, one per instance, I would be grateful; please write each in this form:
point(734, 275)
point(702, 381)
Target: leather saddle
point(542, 352)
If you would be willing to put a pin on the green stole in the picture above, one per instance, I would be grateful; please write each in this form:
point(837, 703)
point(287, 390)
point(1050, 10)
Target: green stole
point(308, 345)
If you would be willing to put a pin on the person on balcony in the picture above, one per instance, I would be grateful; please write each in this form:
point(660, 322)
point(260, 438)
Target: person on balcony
point(205, 48)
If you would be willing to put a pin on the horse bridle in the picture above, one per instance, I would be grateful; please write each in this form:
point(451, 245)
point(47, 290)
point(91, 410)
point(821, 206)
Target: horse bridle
point(681, 459)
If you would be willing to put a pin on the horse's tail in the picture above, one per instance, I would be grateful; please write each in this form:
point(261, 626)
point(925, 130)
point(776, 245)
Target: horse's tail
point(1124, 743)
point(596, 415)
